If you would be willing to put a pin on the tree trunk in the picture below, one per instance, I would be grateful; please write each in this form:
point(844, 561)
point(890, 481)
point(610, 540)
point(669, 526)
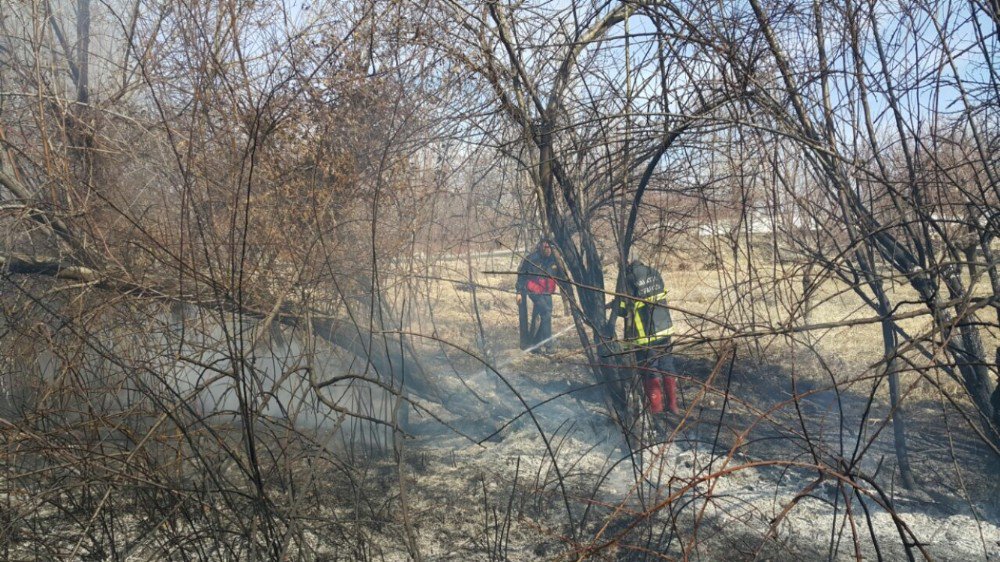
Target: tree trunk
point(890, 345)
point(960, 332)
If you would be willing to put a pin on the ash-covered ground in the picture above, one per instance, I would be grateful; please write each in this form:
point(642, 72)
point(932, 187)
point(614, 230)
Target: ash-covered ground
point(746, 473)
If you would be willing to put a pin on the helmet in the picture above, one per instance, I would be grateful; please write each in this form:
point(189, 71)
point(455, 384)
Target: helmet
point(634, 257)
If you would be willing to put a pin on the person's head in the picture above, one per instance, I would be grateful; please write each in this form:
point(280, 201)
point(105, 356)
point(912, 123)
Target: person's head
point(545, 247)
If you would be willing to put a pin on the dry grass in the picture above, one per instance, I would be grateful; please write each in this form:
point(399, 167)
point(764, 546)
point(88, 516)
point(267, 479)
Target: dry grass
point(717, 304)
point(713, 305)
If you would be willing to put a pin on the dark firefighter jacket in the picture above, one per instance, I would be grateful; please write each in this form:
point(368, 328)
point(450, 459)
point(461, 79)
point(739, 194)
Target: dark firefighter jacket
point(537, 274)
point(647, 322)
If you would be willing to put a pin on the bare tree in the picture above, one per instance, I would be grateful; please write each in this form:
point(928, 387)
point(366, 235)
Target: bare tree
point(195, 212)
point(589, 99)
point(877, 179)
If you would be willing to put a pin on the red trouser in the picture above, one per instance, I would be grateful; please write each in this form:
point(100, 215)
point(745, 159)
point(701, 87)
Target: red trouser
point(656, 364)
point(654, 393)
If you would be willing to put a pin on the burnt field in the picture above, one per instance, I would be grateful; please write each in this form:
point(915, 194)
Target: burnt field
point(265, 269)
point(784, 448)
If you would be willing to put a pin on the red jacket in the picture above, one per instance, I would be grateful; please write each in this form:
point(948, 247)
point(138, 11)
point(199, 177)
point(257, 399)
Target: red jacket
point(541, 285)
point(538, 273)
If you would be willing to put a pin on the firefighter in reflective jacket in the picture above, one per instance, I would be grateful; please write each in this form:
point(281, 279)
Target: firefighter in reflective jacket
point(648, 330)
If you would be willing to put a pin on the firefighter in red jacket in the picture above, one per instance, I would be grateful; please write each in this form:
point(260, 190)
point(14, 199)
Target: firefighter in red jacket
point(648, 331)
point(536, 277)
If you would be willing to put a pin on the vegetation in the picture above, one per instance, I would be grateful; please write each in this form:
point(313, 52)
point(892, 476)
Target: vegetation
point(255, 260)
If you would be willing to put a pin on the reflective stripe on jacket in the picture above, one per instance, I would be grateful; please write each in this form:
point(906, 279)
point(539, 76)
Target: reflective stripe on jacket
point(649, 322)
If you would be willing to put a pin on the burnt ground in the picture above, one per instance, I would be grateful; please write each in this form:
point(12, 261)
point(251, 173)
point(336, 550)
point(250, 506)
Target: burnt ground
point(763, 466)
point(846, 426)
